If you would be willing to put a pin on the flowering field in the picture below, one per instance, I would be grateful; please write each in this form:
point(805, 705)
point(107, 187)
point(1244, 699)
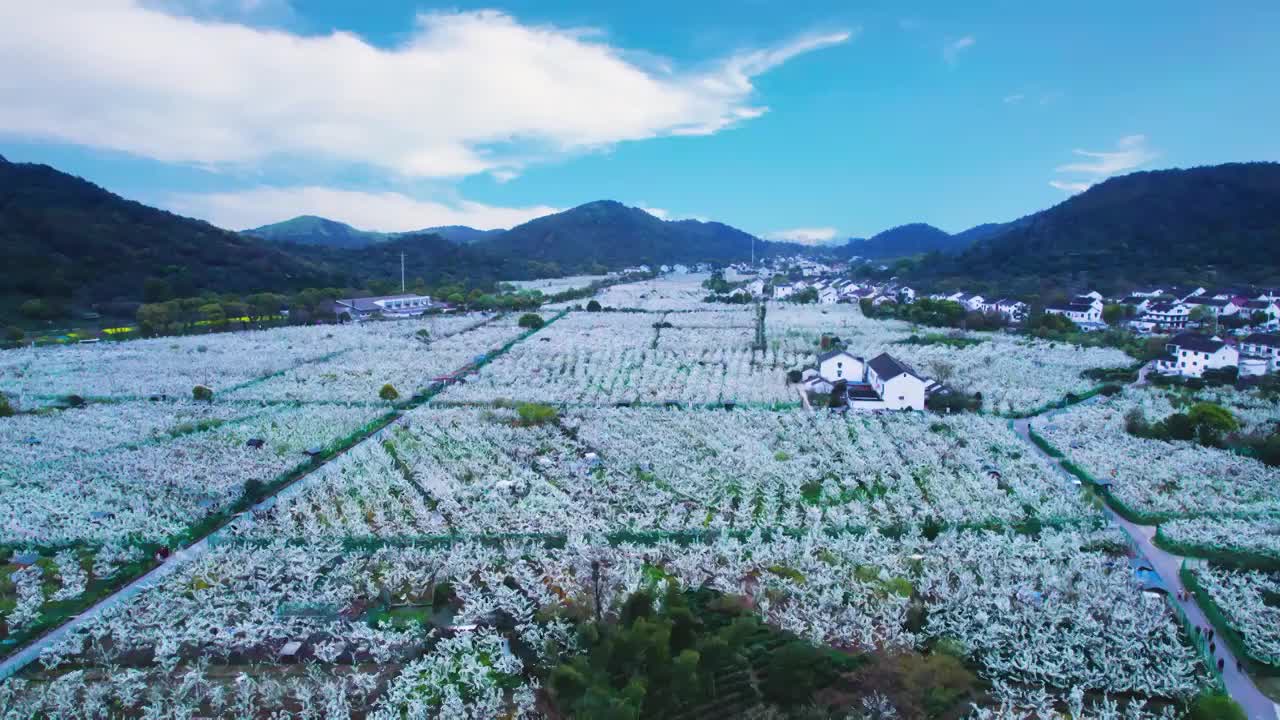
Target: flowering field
point(171, 366)
point(372, 620)
point(149, 491)
point(610, 358)
point(439, 566)
point(555, 286)
point(472, 471)
point(1247, 600)
point(1167, 479)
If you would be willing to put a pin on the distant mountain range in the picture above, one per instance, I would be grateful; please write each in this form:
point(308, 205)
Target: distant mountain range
point(62, 237)
point(312, 230)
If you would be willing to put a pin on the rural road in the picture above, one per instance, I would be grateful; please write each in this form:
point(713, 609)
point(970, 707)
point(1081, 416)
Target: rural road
point(1167, 565)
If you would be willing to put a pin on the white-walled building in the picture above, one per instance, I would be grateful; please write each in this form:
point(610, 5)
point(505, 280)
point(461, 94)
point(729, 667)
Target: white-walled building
point(1265, 346)
point(1190, 354)
point(898, 386)
point(841, 365)
point(390, 306)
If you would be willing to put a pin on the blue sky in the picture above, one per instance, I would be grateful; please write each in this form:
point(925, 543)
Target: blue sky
point(801, 120)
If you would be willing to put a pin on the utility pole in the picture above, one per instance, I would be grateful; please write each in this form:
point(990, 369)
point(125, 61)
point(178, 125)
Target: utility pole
point(402, 273)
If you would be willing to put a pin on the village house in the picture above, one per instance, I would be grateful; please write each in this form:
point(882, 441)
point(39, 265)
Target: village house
point(1266, 307)
point(388, 306)
point(1261, 346)
point(883, 383)
point(1082, 310)
point(1191, 354)
point(1012, 310)
point(1220, 307)
point(1163, 316)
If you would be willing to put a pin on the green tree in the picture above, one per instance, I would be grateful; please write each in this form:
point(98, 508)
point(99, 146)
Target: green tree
point(1215, 707)
point(14, 334)
point(1213, 416)
point(154, 318)
point(213, 313)
point(264, 305)
point(389, 393)
point(6, 407)
point(594, 306)
point(201, 393)
point(1114, 314)
point(532, 321)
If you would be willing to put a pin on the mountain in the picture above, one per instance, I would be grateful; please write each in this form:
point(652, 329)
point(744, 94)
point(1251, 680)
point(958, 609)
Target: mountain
point(607, 234)
point(64, 237)
point(312, 230)
point(912, 239)
point(460, 234)
point(1216, 224)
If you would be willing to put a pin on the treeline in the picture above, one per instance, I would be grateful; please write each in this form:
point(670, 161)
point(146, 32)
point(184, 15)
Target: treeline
point(935, 313)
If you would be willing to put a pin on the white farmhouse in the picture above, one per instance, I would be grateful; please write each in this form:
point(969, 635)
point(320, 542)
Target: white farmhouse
point(1082, 310)
point(1263, 346)
point(1190, 354)
point(898, 386)
point(841, 365)
point(829, 296)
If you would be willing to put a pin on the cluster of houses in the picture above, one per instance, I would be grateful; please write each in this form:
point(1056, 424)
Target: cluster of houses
point(881, 383)
point(1191, 354)
point(1014, 311)
point(1169, 309)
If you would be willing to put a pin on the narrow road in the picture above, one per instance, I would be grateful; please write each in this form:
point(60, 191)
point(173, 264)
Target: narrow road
point(1167, 565)
point(31, 652)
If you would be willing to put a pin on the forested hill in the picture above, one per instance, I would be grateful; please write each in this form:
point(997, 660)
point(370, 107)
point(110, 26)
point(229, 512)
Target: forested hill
point(904, 240)
point(313, 230)
point(61, 236)
point(1209, 224)
point(608, 234)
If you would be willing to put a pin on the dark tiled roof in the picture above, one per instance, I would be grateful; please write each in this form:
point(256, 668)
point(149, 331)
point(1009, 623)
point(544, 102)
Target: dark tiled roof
point(1259, 304)
point(1267, 339)
point(1197, 342)
point(887, 366)
point(832, 353)
point(1206, 301)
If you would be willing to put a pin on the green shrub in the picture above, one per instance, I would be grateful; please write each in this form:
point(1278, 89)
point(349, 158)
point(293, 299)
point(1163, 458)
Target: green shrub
point(389, 393)
point(531, 414)
point(6, 408)
point(594, 306)
point(253, 490)
point(1215, 707)
point(202, 394)
point(14, 334)
point(532, 321)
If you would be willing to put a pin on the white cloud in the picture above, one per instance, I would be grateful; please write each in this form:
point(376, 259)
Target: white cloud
point(384, 211)
point(1071, 187)
point(659, 213)
point(465, 93)
point(951, 51)
point(1014, 99)
point(804, 236)
point(1131, 153)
